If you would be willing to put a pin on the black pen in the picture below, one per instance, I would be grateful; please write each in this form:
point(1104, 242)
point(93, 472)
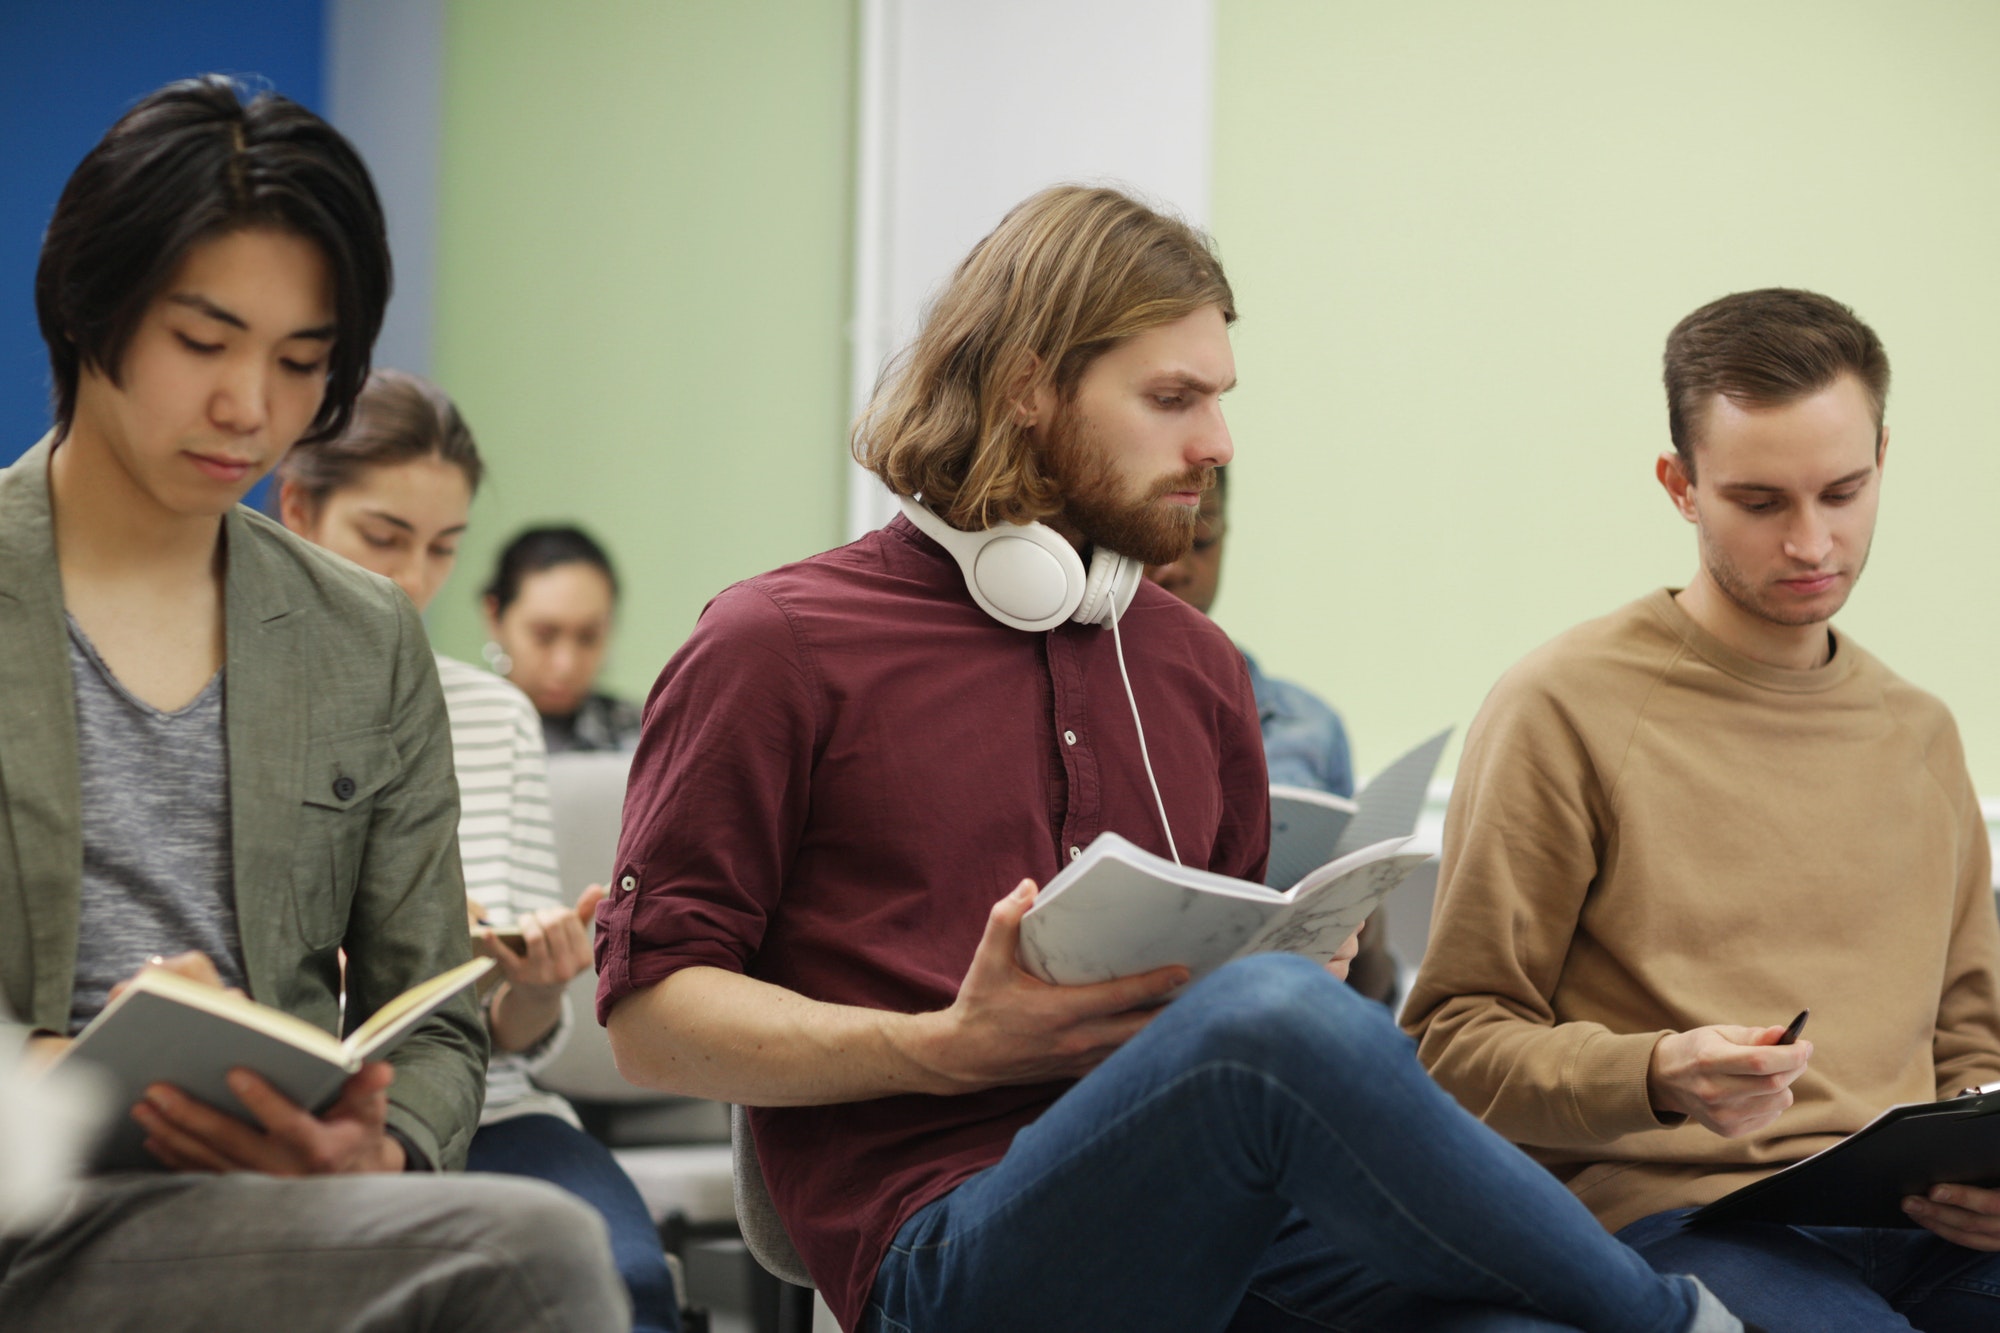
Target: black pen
point(1794, 1028)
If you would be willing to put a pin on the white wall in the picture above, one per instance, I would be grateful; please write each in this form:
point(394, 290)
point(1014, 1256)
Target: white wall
point(968, 107)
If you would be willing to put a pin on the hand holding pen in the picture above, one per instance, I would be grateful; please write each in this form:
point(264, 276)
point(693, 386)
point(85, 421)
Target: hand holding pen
point(1733, 1080)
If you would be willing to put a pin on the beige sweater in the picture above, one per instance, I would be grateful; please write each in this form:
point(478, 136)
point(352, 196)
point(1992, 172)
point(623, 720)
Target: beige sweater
point(1649, 833)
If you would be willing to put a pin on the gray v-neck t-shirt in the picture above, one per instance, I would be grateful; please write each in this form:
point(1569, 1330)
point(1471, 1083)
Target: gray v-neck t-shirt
point(156, 849)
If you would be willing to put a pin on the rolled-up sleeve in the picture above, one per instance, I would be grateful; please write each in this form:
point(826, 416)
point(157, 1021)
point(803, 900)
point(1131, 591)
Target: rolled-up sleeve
point(718, 796)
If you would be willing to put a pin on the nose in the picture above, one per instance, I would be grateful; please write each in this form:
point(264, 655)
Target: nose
point(566, 663)
point(240, 403)
point(1810, 540)
point(410, 578)
point(1210, 445)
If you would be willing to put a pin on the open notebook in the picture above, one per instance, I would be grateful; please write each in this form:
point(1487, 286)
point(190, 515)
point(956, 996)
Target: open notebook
point(164, 1028)
point(1310, 828)
point(1118, 910)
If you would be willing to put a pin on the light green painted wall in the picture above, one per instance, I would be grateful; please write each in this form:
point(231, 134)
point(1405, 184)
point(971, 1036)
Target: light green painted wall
point(1459, 233)
point(644, 222)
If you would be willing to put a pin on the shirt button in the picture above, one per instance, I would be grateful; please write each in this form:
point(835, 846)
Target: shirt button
point(343, 788)
point(1075, 852)
point(628, 884)
point(1069, 738)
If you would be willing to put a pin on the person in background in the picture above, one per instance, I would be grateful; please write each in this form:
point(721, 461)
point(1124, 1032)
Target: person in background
point(1305, 743)
point(549, 611)
point(393, 493)
point(219, 743)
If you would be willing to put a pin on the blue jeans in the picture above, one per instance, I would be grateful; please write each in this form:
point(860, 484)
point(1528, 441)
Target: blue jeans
point(551, 1149)
point(1266, 1155)
point(1830, 1279)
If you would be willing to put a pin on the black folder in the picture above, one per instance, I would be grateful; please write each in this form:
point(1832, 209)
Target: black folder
point(1862, 1180)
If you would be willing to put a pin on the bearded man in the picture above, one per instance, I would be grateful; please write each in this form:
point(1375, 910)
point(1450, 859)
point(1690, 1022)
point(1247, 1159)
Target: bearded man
point(1677, 826)
point(855, 772)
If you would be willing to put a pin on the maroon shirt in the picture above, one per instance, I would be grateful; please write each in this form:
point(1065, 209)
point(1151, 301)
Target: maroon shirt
point(842, 770)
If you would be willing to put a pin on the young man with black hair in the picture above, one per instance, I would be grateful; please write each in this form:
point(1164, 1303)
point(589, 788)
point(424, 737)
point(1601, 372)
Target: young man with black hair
point(219, 743)
point(1675, 827)
point(851, 779)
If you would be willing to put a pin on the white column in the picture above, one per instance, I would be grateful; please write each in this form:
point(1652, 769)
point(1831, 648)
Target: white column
point(967, 107)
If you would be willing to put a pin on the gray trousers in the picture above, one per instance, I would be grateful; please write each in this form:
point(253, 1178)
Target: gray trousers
point(356, 1254)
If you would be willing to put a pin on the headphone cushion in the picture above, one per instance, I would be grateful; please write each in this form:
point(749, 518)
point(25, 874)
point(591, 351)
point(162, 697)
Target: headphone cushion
point(1022, 580)
point(1111, 584)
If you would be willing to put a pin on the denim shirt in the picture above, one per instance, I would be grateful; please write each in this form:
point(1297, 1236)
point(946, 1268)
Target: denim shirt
point(1305, 744)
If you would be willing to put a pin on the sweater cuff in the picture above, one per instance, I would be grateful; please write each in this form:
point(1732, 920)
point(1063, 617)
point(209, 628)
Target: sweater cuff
point(1608, 1086)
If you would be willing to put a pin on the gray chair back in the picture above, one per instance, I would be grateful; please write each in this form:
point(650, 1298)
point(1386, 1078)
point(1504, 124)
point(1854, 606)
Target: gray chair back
point(763, 1233)
point(586, 799)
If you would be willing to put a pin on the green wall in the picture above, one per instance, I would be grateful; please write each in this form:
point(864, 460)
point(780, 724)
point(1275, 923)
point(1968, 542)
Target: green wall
point(644, 221)
point(1459, 233)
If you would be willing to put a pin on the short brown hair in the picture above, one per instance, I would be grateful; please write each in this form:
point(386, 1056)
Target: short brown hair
point(397, 418)
point(1764, 349)
point(1066, 276)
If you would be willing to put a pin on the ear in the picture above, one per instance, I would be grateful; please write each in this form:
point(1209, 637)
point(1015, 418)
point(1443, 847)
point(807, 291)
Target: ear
point(1881, 448)
point(1032, 397)
point(296, 509)
point(1674, 480)
point(489, 610)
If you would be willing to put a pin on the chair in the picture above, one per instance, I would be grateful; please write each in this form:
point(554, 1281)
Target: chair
point(586, 798)
point(770, 1244)
point(764, 1234)
point(672, 1147)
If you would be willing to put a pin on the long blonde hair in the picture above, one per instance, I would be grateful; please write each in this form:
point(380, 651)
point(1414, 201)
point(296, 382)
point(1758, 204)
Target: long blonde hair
point(1066, 276)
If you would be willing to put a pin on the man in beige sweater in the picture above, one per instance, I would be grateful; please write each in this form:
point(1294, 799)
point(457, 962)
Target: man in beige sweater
point(1675, 827)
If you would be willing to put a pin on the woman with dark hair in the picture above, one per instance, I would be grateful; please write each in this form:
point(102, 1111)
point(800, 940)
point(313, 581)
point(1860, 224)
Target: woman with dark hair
point(224, 752)
point(549, 608)
point(393, 493)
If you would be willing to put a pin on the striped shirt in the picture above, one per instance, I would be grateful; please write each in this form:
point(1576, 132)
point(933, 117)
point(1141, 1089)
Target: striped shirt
point(505, 841)
point(503, 794)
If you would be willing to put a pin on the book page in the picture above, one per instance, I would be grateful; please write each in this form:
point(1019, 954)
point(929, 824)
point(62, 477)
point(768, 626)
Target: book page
point(1305, 828)
point(399, 1015)
point(1392, 802)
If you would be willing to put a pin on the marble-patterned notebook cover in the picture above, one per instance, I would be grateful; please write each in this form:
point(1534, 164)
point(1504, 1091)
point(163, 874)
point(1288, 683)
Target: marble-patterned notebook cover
point(1118, 910)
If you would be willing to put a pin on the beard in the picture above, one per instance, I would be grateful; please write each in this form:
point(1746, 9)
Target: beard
point(1741, 589)
point(1096, 505)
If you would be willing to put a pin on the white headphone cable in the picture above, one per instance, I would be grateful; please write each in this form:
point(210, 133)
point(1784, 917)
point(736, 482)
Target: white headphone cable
point(1118, 644)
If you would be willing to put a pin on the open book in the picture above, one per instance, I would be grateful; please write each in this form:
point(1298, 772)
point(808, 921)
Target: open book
point(1862, 1180)
point(1310, 828)
point(164, 1028)
point(1118, 909)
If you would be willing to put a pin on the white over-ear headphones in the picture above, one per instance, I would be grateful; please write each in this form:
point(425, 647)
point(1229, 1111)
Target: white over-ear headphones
point(1027, 576)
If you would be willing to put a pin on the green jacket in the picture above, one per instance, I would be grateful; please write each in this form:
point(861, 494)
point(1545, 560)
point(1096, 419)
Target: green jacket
point(343, 806)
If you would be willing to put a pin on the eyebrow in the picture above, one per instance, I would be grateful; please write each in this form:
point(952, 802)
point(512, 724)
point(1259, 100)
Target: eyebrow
point(197, 302)
point(1761, 489)
point(406, 525)
point(1187, 379)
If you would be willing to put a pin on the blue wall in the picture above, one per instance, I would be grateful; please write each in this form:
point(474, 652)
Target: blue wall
point(68, 69)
